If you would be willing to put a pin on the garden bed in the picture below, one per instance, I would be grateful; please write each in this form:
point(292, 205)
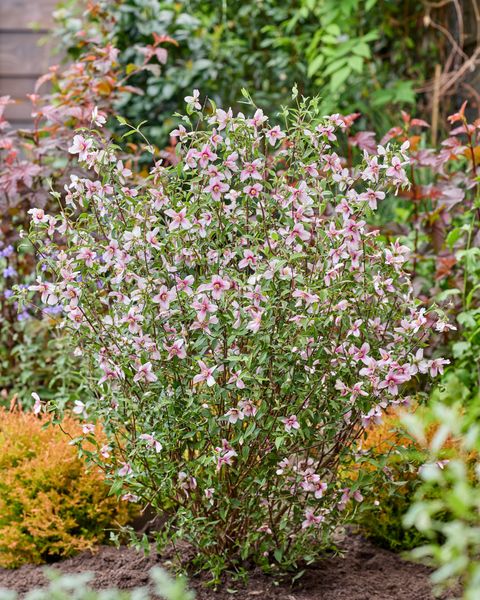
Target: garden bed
point(365, 572)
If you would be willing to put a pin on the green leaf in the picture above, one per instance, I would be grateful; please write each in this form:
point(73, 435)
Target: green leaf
point(460, 348)
point(315, 65)
point(362, 49)
point(333, 29)
point(467, 319)
point(339, 77)
point(453, 236)
point(356, 63)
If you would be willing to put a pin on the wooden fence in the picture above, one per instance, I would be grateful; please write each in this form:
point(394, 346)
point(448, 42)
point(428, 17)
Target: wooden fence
point(23, 23)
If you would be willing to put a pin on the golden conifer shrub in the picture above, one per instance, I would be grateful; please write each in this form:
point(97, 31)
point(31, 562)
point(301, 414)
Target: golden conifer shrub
point(51, 504)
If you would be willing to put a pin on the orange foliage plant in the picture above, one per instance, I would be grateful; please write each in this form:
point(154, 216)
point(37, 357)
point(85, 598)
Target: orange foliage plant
point(51, 504)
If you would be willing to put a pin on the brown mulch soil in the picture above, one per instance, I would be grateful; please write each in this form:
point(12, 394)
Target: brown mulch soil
point(365, 572)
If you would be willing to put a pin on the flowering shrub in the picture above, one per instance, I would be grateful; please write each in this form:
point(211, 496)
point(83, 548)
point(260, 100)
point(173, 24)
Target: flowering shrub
point(246, 324)
point(50, 506)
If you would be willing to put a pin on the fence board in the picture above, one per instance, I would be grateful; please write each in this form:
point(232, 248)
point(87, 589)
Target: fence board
point(20, 111)
point(22, 14)
point(20, 54)
point(17, 87)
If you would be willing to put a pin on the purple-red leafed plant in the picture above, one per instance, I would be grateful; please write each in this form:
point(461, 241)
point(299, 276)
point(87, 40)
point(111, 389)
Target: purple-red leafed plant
point(246, 325)
point(31, 163)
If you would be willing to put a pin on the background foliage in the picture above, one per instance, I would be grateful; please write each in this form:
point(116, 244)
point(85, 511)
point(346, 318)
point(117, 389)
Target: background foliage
point(358, 55)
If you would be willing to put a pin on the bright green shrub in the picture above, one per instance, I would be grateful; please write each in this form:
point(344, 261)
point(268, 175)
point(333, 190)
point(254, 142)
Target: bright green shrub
point(447, 503)
point(50, 505)
point(75, 587)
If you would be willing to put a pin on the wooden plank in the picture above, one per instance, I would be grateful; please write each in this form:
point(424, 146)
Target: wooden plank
point(21, 14)
point(21, 110)
point(18, 87)
point(20, 54)
point(22, 124)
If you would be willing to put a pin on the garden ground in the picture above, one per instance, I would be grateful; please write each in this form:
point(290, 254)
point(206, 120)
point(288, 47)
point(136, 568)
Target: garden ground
point(365, 572)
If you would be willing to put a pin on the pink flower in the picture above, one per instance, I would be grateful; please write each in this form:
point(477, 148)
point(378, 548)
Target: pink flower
point(145, 373)
point(75, 315)
point(37, 407)
point(298, 231)
point(87, 255)
point(216, 188)
point(311, 518)
point(205, 156)
point(396, 171)
point(79, 407)
point(192, 101)
point(47, 291)
point(183, 285)
point(98, 117)
point(372, 171)
point(355, 329)
point(151, 441)
point(203, 306)
point(327, 130)
point(319, 489)
point(374, 415)
point(38, 215)
point(234, 414)
point(248, 408)
point(392, 381)
point(436, 366)
point(235, 378)
point(274, 134)
point(218, 286)
point(248, 260)
point(258, 119)
point(164, 297)
point(372, 196)
point(222, 118)
point(179, 219)
point(307, 297)
point(80, 146)
point(253, 190)
point(251, 170)
point(230, 164)
point(290, 423)
point(225, 458)
point(176, 349)
point(206, 374)
point(152, 239)
point(125, 470)
point(180, 132)
point(133, 319)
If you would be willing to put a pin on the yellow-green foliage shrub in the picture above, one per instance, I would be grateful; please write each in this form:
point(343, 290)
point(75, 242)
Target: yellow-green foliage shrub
point(400, 457)
point(51, 504)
